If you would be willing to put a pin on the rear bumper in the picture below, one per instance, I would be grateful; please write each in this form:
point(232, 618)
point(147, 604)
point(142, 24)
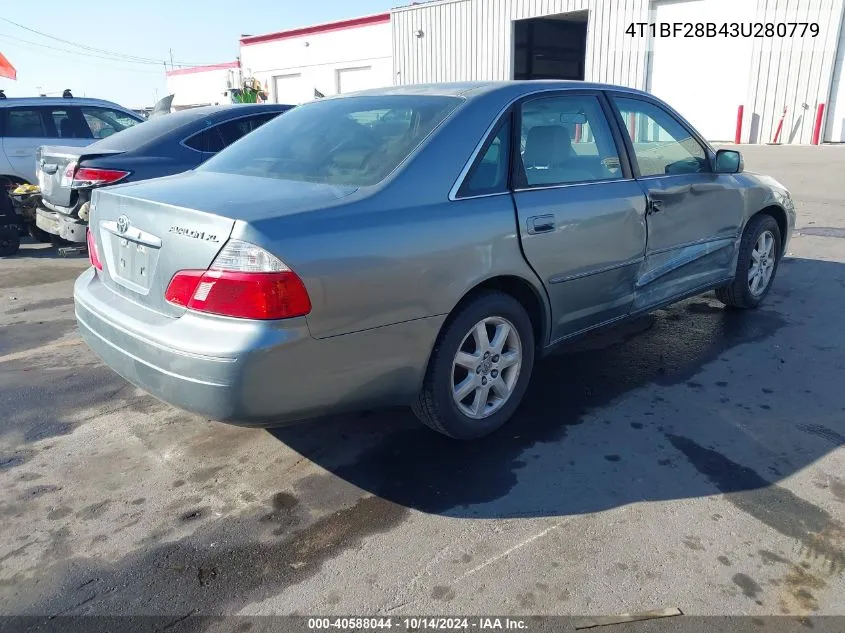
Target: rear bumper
point(67, 228)
point(247, 372)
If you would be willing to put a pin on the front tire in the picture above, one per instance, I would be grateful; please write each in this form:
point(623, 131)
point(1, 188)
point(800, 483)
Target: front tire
point(479, 369)
point(757, 264)
point(10, 240)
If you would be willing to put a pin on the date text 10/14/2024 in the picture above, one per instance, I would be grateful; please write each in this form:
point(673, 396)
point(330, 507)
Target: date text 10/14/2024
point(418, 624)
point(724, 29)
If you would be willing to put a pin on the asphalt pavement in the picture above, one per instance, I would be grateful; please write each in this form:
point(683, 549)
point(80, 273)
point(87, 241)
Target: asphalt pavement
point(693, 459)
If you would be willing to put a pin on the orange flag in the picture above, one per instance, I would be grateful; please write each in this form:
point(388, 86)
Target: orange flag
point(6, 68)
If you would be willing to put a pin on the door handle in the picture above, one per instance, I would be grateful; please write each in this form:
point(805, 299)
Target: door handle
point(541, 224)
point(654, 206)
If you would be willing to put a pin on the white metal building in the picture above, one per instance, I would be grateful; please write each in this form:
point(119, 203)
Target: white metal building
point(706, 79)
point(201, 85)
point(327, 59)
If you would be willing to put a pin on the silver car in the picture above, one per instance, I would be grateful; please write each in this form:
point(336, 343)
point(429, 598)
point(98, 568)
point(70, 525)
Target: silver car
point(418, 245)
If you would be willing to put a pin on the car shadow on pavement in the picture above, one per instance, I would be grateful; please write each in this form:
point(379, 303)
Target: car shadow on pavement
point(690, 401)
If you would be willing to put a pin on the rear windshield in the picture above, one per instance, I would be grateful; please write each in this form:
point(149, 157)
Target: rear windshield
point(138, 135)
point(351, 141)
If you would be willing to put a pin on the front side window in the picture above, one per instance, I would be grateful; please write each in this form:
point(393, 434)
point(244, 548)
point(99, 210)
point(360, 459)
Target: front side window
point(566, 140)
point(661, 144)
point(25, 123)
point(351, 141)
point(104, 122)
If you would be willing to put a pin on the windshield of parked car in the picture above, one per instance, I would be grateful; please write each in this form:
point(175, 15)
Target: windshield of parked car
point(351, 141)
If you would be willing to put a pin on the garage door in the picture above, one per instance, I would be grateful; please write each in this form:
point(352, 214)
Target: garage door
point(354, 79)
point(705, 79)
point(288, 89)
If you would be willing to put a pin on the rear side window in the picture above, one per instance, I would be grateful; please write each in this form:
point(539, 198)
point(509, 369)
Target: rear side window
point(68, 124)
point(215, 138)
point(25, 123)
point(349, 141)
point(566, 140)
point(209, 140)
point(231, 131)
point(490, 172)
point(103, 122)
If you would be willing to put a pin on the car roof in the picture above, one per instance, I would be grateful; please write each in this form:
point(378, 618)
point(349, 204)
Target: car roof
point(53, 101)
point(191, 114)
point(471, 89)
point(168, 127)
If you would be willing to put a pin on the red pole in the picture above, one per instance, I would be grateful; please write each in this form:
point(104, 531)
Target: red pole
point(632, 126)
point(738, 136)
point(780, 127)
point(817, 129)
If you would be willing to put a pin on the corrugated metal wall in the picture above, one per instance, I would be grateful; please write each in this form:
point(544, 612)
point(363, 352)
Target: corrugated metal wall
point(472, 40)
point(793, 73)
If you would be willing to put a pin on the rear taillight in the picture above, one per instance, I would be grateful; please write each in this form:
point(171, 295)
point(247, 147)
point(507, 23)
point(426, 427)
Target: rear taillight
point(95, 177)
point(93, 255)
point(244, 282)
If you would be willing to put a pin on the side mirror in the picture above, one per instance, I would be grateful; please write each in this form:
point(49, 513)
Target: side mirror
point(728, 161)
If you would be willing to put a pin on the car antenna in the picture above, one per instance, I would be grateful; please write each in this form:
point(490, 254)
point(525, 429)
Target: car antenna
point(67, 94)
point(2, 94)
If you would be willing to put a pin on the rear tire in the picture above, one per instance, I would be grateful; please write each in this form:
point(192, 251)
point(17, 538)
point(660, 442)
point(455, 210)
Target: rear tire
point(485, 352)
point(757, 264)
point(10, 240)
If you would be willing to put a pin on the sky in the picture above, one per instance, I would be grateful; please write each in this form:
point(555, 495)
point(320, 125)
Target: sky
point(197, 32)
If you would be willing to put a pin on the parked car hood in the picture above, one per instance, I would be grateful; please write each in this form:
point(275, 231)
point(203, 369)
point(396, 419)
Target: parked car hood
point(248, 198)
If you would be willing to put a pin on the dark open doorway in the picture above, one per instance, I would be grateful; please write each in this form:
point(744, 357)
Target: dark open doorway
point(551, 47)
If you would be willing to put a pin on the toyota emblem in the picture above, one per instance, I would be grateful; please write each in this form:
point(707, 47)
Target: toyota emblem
point(122, 224)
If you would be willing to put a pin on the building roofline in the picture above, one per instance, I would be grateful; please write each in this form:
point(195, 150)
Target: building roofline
point(202, 69)
point(338, 25)
point(422, 4)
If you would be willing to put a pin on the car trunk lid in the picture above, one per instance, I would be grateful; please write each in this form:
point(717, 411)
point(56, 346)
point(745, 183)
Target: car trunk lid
point(52, 162)
point(143, 243)
point(146, 232)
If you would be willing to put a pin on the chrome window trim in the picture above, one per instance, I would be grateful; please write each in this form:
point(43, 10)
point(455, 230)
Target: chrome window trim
point(580, 183)
point(484, 195)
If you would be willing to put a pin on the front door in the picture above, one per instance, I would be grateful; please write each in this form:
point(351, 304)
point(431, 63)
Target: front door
point(694, 215)
point(581, 216)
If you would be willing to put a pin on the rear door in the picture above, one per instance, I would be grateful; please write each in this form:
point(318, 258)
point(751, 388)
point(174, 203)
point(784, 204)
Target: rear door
point(28, 127)
point(581, 215)
point(694, 215)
